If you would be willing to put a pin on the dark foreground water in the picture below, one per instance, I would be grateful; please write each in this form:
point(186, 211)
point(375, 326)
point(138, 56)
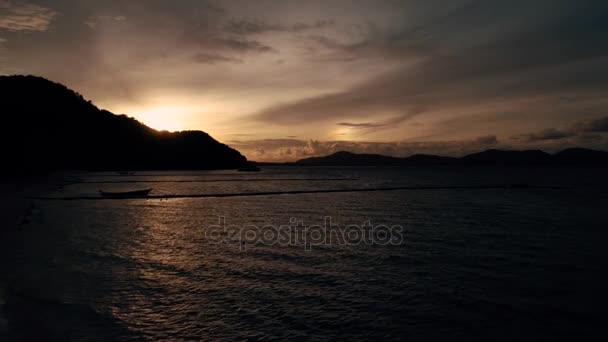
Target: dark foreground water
point(468, 264)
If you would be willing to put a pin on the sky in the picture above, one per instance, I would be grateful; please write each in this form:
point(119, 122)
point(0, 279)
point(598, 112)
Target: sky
point(285, 80)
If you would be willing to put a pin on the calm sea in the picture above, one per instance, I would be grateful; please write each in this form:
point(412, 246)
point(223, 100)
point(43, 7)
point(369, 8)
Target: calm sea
point(420, 264)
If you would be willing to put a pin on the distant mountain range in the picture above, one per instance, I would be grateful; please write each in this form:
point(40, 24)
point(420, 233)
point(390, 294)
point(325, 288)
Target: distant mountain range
point(47, 126)
point(489, 157)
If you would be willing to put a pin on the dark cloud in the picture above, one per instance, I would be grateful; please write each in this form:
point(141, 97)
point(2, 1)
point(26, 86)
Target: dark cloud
point(548, 134)
point(563, 55)
point(247, 27)
point(589, 138)
point(18, 16)
point(193, 25)
point(373, 43)
point(207, 58)
point(487, 140)
point(361, 125)
point(586, 131)
point(441, 84)
point(366, 128)
point(267, 143)
point(241, 134)
point(94, 21)
point(241, 45)
point(598, 125)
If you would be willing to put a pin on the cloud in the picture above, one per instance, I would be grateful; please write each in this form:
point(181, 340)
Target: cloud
point(360, 125)
point(599, 125)
point(450, 83)
point(366, 128)
point(548, 134)
point(239, 44)
point(2, 59)
point(209, 58)
point(25, 17)
point(97, 20)
point(487, 140)
point(587, 130)
point(589, 138)
point(535, 62)
point(248, 27)
point(117, 52)
point(359, 102)
point(371, 43)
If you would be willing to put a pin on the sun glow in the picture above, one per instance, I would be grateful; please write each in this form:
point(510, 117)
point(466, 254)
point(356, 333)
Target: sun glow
point(163, 118)
point(342, 133)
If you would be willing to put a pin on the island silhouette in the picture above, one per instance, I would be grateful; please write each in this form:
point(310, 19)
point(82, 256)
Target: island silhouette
point(570, 156)
point(50, 127)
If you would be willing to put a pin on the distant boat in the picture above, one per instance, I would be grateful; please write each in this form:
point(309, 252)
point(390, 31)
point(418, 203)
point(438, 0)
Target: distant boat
point(125, 173)
point(249, 168)
point(125, 194)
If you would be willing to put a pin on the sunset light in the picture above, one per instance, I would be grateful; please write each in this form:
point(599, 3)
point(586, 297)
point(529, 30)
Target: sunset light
point(163, 118)
point(303, 170)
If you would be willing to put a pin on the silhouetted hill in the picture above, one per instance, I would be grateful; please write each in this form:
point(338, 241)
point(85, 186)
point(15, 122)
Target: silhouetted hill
point(507, 157)
point(48, 126)
point(427, 159)
point(489, 157)
point(347, 158)
point(581, 156)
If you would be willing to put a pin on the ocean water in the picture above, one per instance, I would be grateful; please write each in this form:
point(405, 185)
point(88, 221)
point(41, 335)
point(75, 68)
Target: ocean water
point(460, 264)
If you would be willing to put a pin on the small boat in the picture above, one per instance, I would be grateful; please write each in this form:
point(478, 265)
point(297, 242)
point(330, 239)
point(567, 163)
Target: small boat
point(125, 194)
point(126, 173)
point(249, 168)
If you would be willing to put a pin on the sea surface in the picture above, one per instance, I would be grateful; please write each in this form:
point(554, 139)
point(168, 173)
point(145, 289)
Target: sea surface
point(466, 263)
